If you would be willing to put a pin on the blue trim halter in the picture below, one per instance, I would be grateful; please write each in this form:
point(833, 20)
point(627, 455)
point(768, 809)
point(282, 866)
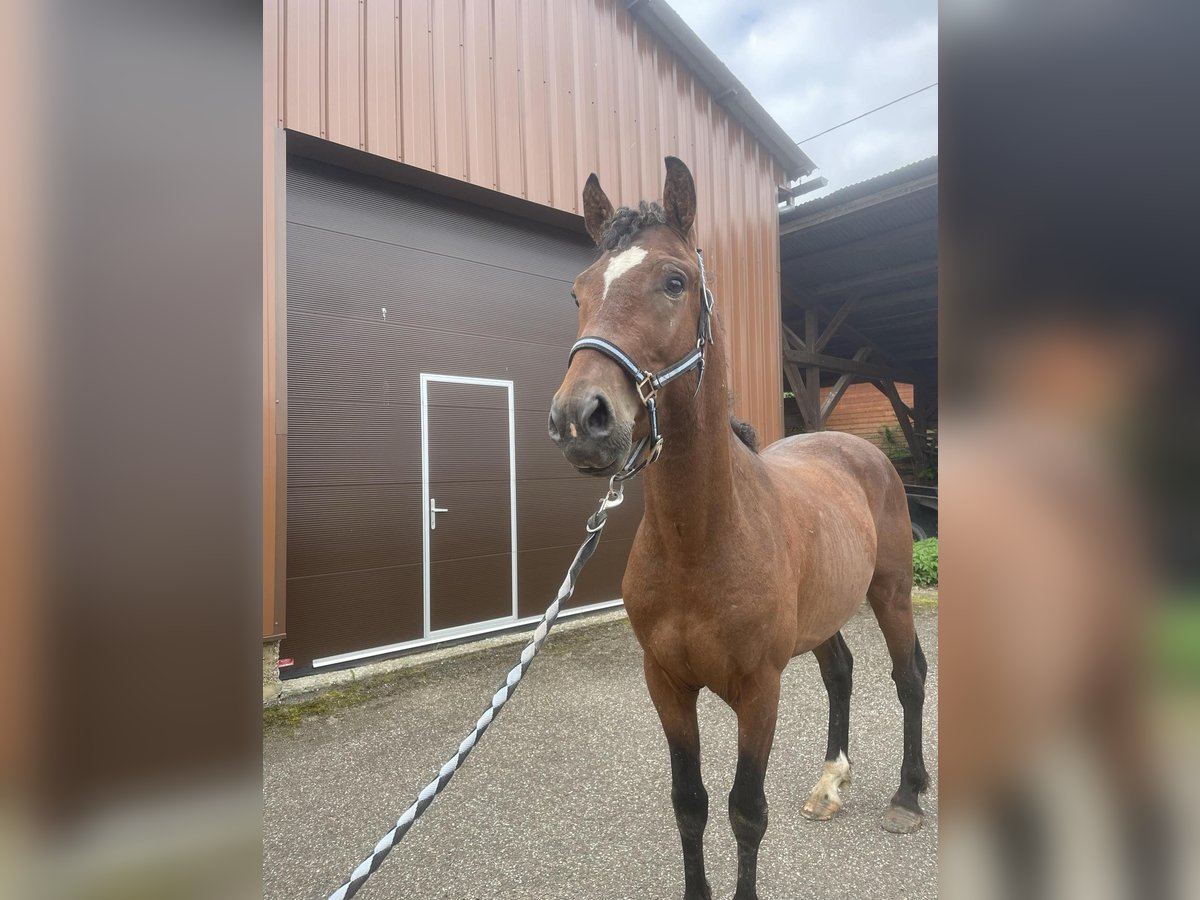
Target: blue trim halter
point(648, 383)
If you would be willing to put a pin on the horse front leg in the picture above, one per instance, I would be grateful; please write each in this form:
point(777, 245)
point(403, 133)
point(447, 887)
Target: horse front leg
point(676, 705)
point(757, 709)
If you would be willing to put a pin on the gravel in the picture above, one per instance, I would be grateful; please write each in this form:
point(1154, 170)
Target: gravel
point(568, 796)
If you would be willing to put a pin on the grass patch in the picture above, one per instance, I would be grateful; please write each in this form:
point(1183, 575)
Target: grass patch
point(1175, 638)
point(925, 563)
point(925, 598)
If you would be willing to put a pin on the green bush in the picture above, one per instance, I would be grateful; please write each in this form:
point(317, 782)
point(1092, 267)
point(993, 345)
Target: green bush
point(925, 563)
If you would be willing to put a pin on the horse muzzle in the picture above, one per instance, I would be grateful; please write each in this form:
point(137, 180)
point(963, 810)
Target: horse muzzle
point(586, 429)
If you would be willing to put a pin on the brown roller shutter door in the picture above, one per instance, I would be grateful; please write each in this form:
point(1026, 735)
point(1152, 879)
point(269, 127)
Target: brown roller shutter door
point(386, 283)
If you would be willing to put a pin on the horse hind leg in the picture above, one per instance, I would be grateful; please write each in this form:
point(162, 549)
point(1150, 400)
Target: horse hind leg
point(890, 595)
point(837, 666)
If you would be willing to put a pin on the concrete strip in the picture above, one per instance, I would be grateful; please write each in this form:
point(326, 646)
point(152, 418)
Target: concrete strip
point(307, 685)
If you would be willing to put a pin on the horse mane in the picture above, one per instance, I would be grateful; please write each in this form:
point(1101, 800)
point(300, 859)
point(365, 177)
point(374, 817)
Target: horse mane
point(625, 223)
point(745, 432)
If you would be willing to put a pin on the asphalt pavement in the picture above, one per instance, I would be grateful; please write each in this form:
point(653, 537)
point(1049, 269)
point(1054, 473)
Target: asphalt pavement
point(568, 795)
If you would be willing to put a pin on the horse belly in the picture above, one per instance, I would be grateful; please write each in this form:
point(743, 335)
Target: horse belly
point(840, 566)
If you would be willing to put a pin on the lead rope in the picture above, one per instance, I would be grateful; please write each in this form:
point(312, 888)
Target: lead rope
point(595, 525)
point(645, 452)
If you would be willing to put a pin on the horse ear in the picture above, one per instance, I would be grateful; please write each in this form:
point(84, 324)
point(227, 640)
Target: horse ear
point(597, 209)
point(679, 197)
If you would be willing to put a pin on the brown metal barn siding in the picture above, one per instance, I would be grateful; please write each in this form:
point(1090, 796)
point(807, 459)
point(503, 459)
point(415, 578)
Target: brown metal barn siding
point(528, 97)
point(467, 292)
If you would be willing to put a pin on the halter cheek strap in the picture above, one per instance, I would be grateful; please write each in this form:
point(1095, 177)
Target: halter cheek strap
point(648, 383)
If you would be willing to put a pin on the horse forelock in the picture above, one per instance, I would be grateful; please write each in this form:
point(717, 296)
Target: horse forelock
point(626, 223)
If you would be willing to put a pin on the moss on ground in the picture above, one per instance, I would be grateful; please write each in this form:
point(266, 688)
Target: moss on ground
point(925, 598)
point(287, 716)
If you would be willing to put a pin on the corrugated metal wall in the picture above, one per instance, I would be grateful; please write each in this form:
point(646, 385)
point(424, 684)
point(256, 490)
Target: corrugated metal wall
point(528, 97)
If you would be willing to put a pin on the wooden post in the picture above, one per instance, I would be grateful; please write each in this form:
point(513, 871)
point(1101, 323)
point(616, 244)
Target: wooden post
point(921, 407)
point(812, 374)
point(839, 388)
point(796, 383)
point(835, 323)
point(915, 447)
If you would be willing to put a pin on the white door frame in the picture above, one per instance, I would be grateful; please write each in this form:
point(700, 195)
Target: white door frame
point(470, 627)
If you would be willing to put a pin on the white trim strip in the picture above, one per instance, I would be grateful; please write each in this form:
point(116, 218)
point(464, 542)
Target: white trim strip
point(467, 631)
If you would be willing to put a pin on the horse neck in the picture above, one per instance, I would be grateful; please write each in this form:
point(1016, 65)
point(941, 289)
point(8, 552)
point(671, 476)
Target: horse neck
point(689, 489)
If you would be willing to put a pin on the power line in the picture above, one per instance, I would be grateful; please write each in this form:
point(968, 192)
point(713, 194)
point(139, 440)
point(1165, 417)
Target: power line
point(868, 112)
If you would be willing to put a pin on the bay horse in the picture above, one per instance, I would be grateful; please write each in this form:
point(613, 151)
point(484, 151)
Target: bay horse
point(743, 560)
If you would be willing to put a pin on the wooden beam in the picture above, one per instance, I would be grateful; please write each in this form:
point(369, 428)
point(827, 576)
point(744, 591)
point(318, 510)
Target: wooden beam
point(885, 355)
point(870, 279)
point(812, 374)
point(791, 337)
point(915, 447)
point(898, 298)
point(870, 371)
point(796, 383)
point(803, 223)
point(794, 299)
point(855, 249)
point(928, 315)
point(838, 318)
point(839, 388)
point(921, 409)
point(788, 194)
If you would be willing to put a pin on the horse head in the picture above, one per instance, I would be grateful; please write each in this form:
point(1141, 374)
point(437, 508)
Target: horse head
point(639, 305)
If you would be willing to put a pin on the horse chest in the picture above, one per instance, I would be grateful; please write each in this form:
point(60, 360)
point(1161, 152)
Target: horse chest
point(708, 635)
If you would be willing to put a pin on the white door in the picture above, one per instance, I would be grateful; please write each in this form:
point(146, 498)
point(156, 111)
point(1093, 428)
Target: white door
point(469, 511)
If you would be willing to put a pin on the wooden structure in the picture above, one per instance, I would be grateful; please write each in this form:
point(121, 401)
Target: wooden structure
point(859, 288)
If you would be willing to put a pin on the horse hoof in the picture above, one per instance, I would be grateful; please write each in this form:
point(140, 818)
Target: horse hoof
point(825, 800)
point(821, 809)
point(901, 820)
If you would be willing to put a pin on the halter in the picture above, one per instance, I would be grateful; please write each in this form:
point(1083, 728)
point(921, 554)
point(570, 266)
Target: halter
point(648, 383)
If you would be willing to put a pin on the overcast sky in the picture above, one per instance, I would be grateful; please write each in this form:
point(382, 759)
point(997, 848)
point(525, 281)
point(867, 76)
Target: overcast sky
point(815, 63)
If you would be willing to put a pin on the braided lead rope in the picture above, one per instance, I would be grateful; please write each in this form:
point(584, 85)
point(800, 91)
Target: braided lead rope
point(368, 866)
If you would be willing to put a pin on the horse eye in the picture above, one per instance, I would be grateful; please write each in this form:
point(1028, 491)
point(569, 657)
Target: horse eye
point(675, 285)
point(576, 299)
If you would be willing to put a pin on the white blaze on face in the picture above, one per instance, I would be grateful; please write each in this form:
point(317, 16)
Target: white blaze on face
point(620, 264)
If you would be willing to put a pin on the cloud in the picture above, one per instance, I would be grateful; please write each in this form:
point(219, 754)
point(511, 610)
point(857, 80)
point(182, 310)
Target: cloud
point(815, 63)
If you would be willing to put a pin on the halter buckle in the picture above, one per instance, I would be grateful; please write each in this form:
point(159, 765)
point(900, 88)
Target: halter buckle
point(646, 389)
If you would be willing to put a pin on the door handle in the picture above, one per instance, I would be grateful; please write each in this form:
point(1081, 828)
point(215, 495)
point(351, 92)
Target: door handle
point(434, 509)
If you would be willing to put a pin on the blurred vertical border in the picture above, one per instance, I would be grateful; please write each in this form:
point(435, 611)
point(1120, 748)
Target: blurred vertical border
point(1070, 571)
point(132, 449)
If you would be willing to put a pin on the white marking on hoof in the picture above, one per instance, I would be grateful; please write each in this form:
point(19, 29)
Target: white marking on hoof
point(620, 264)
point(825, 800)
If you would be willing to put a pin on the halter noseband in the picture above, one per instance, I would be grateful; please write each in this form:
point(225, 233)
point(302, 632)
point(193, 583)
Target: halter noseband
point(648, 383)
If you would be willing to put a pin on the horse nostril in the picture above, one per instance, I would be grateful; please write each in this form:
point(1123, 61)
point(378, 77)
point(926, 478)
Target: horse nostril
point(598, 420)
